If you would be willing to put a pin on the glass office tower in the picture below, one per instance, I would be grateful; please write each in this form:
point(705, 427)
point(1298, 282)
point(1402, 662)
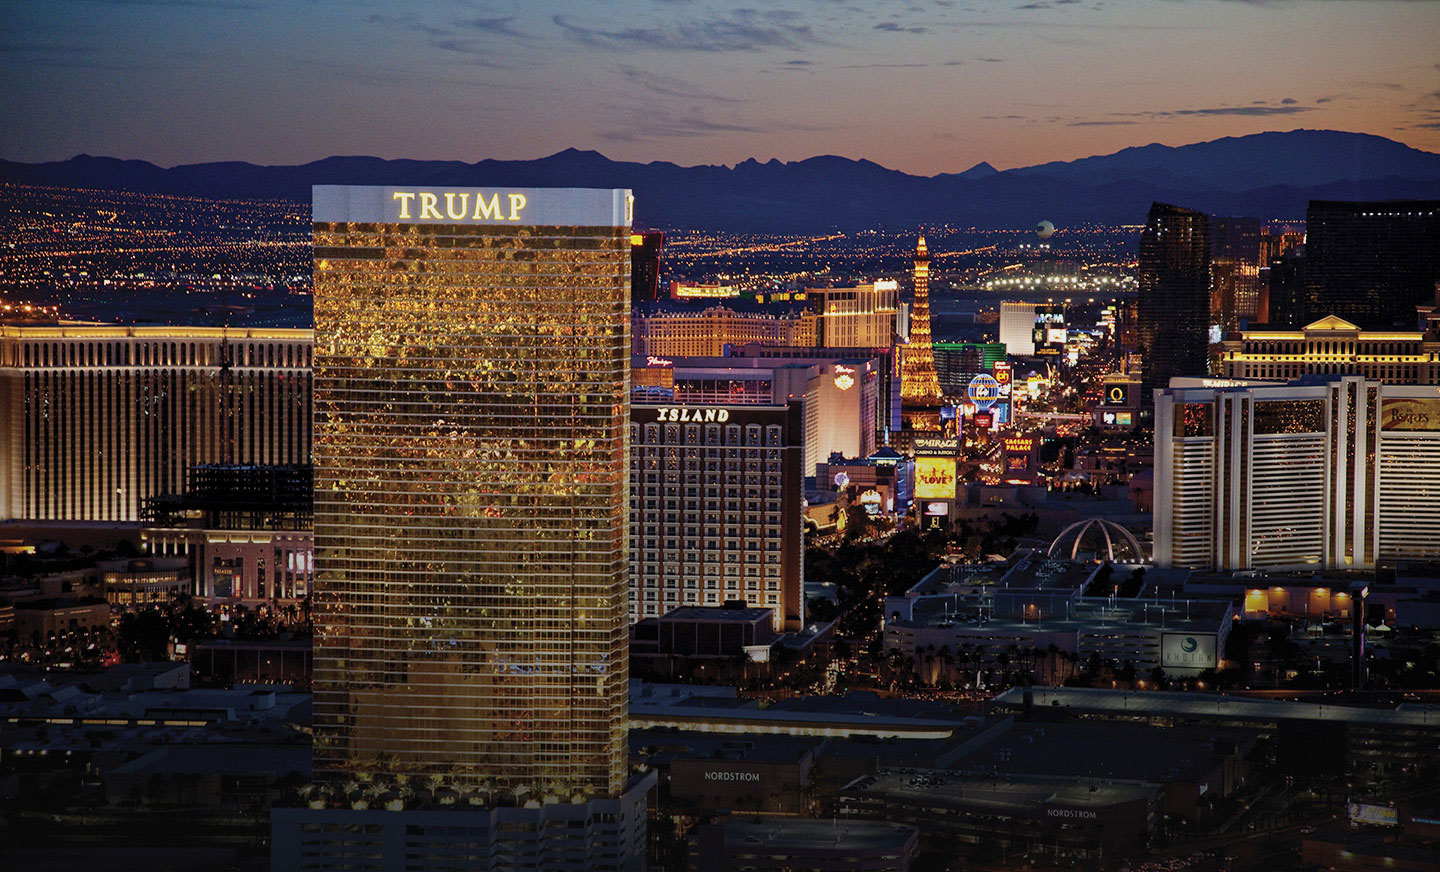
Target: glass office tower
point(471, 401)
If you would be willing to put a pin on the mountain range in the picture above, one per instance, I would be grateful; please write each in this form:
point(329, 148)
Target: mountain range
point(1266, 175)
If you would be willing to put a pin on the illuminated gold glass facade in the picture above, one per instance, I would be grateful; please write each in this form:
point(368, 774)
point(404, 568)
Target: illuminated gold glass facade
point(471, 404)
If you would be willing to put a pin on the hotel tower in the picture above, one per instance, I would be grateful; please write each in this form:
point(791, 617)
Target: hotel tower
point(471, 481)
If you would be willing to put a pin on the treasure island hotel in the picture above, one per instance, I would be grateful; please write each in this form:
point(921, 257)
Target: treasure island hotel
point(471, 426)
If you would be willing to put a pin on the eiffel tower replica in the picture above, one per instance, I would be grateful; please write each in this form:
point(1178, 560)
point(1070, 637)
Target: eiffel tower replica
point(920, 398)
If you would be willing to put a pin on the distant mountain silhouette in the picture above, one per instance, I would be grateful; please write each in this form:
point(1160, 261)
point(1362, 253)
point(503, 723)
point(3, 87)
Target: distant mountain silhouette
point(1268, 175)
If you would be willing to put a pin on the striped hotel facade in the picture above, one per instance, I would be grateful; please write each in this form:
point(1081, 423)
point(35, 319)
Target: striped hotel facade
point(1325, 471)
point(96, 419)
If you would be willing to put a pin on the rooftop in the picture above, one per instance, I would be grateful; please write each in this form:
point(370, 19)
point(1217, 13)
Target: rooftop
point(1214, 706)
point(717, 614)
point(816, 835)
point(1008, 794)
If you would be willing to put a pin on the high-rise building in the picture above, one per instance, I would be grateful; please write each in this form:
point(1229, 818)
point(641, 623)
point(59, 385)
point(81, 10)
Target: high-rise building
point(1371, 263)
point(1174, 297)
point(471, 522)
point(1334, 345)
point(96, 420)
point(1236, 250)
point(1017, 327)
point(1324, 472)
point(1282, 296)
point(956, 363)
point(841, 396)
point(715, 508)
point(645, 267)
point(918, 383)
point(886, 367)
point(858, 317)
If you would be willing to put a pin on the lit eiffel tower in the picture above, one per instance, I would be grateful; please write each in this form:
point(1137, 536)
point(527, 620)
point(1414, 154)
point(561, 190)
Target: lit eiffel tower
point(919, 386)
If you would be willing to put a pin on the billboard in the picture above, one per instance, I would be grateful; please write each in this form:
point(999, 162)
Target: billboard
point(1370, 813)
point(1410, 413)
point(1188, 651)
point(935, 478)
point(936, 446)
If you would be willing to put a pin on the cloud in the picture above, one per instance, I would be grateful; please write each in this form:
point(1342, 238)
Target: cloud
point(881, 66)
point(744, 30)
point(194, 4)
point(1289, 101)
point(653, 123)
point(1243, 110)
point(479, 53)
point(993, 60)
point(410, 22)
point(893, 27)
point(1099, 123)
point(499, 26)
point(1035, 6)
point(669, 86)
point(1260, 108)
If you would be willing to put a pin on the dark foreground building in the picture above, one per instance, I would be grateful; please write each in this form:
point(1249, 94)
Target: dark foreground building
point(1371, 263)
point(1174, 299)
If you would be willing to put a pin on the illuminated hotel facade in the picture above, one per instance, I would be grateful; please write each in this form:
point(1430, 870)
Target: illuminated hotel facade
point(472, 394)
point(843, 403)
point(96, 420)
point(1325, 472)
point(858, 317)
point(706, 333)
point(1334, 345)
point(715, 508)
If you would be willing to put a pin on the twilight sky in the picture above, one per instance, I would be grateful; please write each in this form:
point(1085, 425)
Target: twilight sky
point(926, 87)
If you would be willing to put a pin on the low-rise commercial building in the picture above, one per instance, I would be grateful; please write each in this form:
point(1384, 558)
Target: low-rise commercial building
point(1096, 822)
point(787, 844)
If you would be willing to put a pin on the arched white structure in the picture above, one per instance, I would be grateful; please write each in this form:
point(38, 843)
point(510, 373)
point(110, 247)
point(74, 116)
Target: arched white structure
point(1109, 541)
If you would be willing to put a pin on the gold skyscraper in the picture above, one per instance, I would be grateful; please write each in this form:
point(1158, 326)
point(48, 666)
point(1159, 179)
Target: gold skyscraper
point(471, 402)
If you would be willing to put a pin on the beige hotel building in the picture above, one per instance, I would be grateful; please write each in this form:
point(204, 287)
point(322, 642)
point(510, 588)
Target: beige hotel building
point(1334, 345)
point(95, 420)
